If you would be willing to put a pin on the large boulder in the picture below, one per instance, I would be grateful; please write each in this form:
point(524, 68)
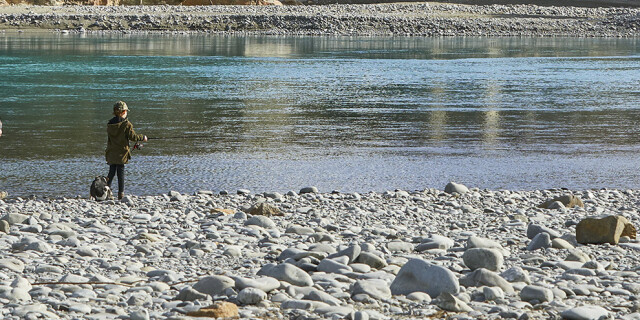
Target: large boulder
point(568, 201)
point(421, 276)
point(604, 230)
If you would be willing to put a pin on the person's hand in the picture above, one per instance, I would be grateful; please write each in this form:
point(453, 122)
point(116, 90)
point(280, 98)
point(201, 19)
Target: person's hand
point(145, 139)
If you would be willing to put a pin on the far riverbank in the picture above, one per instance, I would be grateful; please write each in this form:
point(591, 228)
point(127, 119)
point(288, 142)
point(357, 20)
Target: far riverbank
point(408, 19)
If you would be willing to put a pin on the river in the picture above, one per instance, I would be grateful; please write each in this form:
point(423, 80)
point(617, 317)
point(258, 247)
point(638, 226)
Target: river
point(353, 114)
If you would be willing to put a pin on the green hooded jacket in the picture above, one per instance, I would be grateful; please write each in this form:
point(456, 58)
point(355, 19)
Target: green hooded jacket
point(120, 132)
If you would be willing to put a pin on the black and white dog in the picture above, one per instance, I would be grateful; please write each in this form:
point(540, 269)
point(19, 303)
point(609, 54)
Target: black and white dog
point(100, 190)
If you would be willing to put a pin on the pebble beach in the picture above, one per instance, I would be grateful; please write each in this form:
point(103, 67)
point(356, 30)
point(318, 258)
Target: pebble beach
point(405, 19)
point(465, 253)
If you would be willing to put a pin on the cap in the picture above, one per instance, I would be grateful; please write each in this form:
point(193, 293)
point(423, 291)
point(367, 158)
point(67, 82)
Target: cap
point(120, 106)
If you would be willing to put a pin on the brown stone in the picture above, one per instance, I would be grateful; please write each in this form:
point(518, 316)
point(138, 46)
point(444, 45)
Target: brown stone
point(265, 209)
point(569, 201)
point(225, 211)
point(3, 194)
point(219, 309)
point(604, 230)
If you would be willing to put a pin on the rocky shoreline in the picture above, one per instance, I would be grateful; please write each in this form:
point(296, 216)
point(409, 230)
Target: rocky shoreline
point(407, 19)
point(456, 254)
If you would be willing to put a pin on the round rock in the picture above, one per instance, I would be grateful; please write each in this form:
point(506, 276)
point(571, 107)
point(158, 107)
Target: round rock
point(490, 259)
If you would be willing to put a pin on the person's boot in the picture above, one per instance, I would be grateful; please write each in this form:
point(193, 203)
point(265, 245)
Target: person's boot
point(120, 195)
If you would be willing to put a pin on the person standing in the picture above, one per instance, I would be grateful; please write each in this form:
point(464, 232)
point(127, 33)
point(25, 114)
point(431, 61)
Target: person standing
point(120, 132)
point(3, 194)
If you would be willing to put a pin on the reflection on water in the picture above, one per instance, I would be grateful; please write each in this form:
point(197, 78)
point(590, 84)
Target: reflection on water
point(347, 113)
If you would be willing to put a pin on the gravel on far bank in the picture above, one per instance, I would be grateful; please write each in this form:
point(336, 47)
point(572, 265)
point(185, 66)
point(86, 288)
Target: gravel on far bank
point(401, 19)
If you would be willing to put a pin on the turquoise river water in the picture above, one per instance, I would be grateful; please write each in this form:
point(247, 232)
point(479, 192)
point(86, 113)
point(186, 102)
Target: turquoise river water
point(340, 113)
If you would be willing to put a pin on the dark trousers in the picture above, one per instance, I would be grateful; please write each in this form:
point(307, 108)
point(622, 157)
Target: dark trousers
point(119, 168)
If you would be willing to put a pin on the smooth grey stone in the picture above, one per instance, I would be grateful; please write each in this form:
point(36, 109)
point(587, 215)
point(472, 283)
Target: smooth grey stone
point(371, 259)
point(533, 292)
point(400, 246)
point(377, 289)
point(86, 252)
point(585, 313)
point(490, 259)
point(566, 265)
point(540, 241)
point(447, 301)
point(260, 221)
point(323, 247)
point(321, 296)
point(581, 271)
point(308, 190)
point(139, 298)
point(297, 304)
point(360, 315)
point(352, 252)
point(332, 266)
point(453, 187)
point(535, 229)
point(418, 275)
point(243, 192)
point(73, 278)
point(484, 277)
point(556, 205)
point(492, 293)
point(139, 315)
point(31, 243)
point(15, 294)
point(299, 230)
point(516, 274)
point(334, 312)
point(84, 293)
point(273, 195)
point(232, 251)
point(12, 264)
point(266, 284)
point(560, 243)
point(288, 273)
point(4, 226)
point(477, 242)
point(15, 218)
point(419, 297)
point(240, 215)
point(577, 255)
point(360, 267)
point(289, 253)
point(48, 269)
point(190, 294)
point(435, 241)
point(80, 308)
point(214, 285)
point(251, 296)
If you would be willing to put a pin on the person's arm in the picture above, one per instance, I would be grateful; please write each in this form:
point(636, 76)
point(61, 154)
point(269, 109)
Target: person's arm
point(131, 134)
